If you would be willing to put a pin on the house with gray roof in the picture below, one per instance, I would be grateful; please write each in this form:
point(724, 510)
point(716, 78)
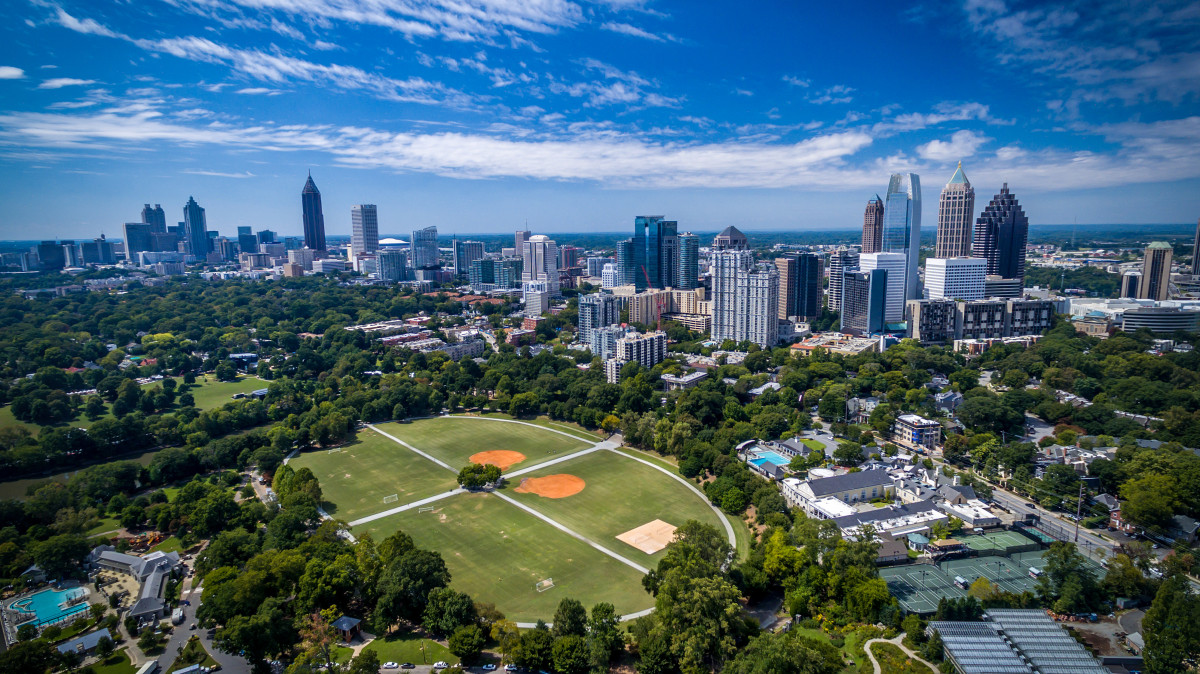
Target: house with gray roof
point(151, 571)
point(847, 487)
point(86, 643)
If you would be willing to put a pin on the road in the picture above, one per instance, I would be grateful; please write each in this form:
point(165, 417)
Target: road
point(1040, 428)
point(1089, 542)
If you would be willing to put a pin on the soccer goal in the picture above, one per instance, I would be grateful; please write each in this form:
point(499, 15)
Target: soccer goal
point(543, 585)
point(335, 449)
point(424, 509)
point(391, 499)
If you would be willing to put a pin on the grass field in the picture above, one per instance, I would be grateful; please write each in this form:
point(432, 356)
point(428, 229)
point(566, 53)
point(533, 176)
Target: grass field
point(169, 544)
point(893, 660)
point(455, 439)
point(497, 553)
point(117, 663)
point(356, 479)
point(194, 653)
point(406, 647)
point(620, 495)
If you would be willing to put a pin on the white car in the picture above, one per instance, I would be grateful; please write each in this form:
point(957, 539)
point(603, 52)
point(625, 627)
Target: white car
point(391, 665)
point(441, 664)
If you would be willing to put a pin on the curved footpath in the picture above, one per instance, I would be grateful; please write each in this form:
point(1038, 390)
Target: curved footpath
point(896, 641)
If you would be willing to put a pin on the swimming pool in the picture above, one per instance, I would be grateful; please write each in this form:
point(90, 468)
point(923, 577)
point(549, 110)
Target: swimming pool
point(766, 456)
point(51, 606)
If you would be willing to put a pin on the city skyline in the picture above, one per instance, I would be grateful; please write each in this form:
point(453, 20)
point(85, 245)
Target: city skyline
point(573, 116)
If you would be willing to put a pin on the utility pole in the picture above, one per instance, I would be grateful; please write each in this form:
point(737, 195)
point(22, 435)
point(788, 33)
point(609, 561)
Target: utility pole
point(1078, 512)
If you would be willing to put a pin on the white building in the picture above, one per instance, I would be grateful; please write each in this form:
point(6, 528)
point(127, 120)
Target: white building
point(647, 350)
point(896, 266)
point(745, 299)
point(364, 229)
point(609, 276)
point(955, 278)
point(847, 488)
point(539, 256)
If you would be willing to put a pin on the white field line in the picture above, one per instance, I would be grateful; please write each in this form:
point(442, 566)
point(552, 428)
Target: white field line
point(407, 506)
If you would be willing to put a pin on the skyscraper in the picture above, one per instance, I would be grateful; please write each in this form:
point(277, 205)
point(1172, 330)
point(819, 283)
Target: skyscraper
point(247, 242)
point(864, 301)
point(466, 252)
point(902, 230)
point(1130, 282)
point(1001, 232)
point(956, 278)
point(896, 265)
point(138, 237)
point(314, 217)
point(655, 247)
point(195, 230)
point(521, 237)
point(568, 256)
point(424, 249)
point(729, 239)
point(539, 261)
point(873, 226)
point(799, 285)
point(745, 299)
point(839, 260)
point(50, 255)
point(597, 310)
point(364, 229)
point(624, 264)
point(688, 276)
point(392, 266)
point(155, 217)
point(1156, 272)
point(956, 210)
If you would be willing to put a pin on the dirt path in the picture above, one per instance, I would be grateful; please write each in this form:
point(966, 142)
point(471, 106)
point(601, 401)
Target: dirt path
point(897, 642)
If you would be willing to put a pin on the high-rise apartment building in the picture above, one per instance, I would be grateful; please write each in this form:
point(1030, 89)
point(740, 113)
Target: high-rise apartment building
point(956, 278)
point(364, 229)
point(956, 211)
point(872, 236)
point(647, 350)
point(314, 216)
point(568, 256)
point(745, 299)
point(597, 311)
point(156, 217)
point(595, 265)
point(1156, 272)
point(896, 265)
point(940, 321)
point(392, 265)
point(466, 252)
point(1130, 282)
point(839, 261)
point(1001, 232)
point(864, 301)
point(688, 272)
point(424, 249)
point(539, 260)
point(195, 230)
point(902, 232)
point(729, 239)
point(610, 276)
point(625, 262)
point(800, 290)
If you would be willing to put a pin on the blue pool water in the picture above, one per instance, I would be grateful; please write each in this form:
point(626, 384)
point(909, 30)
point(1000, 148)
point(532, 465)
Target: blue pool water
point(50, 605)
point(769, 457)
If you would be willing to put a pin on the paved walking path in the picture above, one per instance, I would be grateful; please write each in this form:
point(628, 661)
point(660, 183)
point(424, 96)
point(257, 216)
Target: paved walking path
point(896, 641)
point(393, 438)
point(407, 506)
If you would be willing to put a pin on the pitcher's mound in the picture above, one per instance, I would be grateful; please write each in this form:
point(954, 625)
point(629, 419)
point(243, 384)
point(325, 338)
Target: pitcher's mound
point(552, 486)
point(500, 458)
point(650, 537)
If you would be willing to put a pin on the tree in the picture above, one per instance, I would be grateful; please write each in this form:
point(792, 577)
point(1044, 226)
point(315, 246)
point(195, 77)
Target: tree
point(734, 501)
point(570, 618)
point(1061, 479)
point(367, 662)
point(1171, 627)
point(406, 584)
point(703, 617)
point(535, 650)
point(1150, 500)
point(60, 555)
point(570, 654)
point(318, 637)
point(848, 454)
point(604, 635)
point(787, 653)
point(28, 656)
point(1066, 579)
point(148, 641)
point(467, 643)
point(474, 475)
point(446, 610)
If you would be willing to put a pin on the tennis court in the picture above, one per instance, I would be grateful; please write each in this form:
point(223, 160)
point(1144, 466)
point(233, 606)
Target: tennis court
point(998, 542)
point(919, 587)
point(1007, 574)
point(1028, 559)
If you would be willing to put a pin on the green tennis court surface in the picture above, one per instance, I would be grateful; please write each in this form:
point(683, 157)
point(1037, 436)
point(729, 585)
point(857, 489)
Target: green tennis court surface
point(919, 587)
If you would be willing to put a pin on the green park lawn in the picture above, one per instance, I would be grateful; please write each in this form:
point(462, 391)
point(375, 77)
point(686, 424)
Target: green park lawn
point(497, 553)
point(102, 525)
point(455, 439)
point(565, 426)
point(621, 494)
point(356, 479)
point(169, 544)
point(892, 659)
point(406, 647)
point(193, 653)
point(117, 663)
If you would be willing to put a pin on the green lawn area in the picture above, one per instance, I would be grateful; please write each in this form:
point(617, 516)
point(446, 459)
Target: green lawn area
point(193, 653)
point(621, 494)
point(209, 392)
point(455, 439)
point(169, 544)
point(497, 553)
point(851, 647)
point(813, 444)
point(406, 647)
point(117, 663)
point(356, 479)
point(893, 660)
point(104, 524)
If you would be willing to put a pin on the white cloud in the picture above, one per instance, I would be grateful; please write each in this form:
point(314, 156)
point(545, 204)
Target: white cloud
point(326, 46)
point(796, 81)
point(60, 82)
point(86, 26)
point(837, 94)
point(261, 91)
point(634, 31)
point(961, 145)
point(11, 73)
point(618, 87)
point(943, 112)
point(219, 174)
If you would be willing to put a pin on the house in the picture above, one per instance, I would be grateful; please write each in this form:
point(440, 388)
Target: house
point(85, 644)
point(1117, 521)
point(1183, 528)
point(1109, 501)
point(348, 627)
point(858, 410)
point(957, 494)
point(947, 401)
point(151, 572)
point(891, 551)
point(848, 488)
point(917, 542)
point(34, 574)
point(897, 520)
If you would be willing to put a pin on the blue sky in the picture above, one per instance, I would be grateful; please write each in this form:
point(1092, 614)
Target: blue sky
point(573, 115)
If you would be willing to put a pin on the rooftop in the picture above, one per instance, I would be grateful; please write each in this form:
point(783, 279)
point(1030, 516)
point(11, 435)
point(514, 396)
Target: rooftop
point(848, 481)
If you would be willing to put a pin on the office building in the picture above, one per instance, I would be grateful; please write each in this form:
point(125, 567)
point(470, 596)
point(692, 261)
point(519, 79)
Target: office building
point(625, 262)
point(97, 251)
point(364, 229)
point(1130, 282)
point(956, 211)
point(932, 321)
point(1001, 233)
point(50, 255)
point(424, 249)
point(998, 286)
point(595, 265)
point(303, 257)
point(839, 261)
point(956, 278)
point(1156, 272)
point(609, 276)
point(537, 299)
point(745, 299)
point(1196, 251)
point(800, 289)
point(688, 272)
point(313, 216)
point(902, 232)
point(265, 236)
point(155, 217)
point(655, 250)
point(872, 236)
point(392, 265)
point(225, 248)
point(729, 239)
point(597, 311)
point(326, 265)
point(482, 273)
point(1160, 320)
point(896, 265)
point(247, 242)
point(466, 252)
point(568, 256)
point(646, 350)
point(137, 239)
point(195, 230)
point(864, 300)
point(521, 236)
point(539, 262)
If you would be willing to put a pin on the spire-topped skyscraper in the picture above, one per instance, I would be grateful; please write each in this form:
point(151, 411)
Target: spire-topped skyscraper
point(956, 210)
point(314, 218)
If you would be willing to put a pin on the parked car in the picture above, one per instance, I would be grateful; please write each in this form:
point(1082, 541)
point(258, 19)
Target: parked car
point(391, 665)
point(489, 667)
point(441, 664)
